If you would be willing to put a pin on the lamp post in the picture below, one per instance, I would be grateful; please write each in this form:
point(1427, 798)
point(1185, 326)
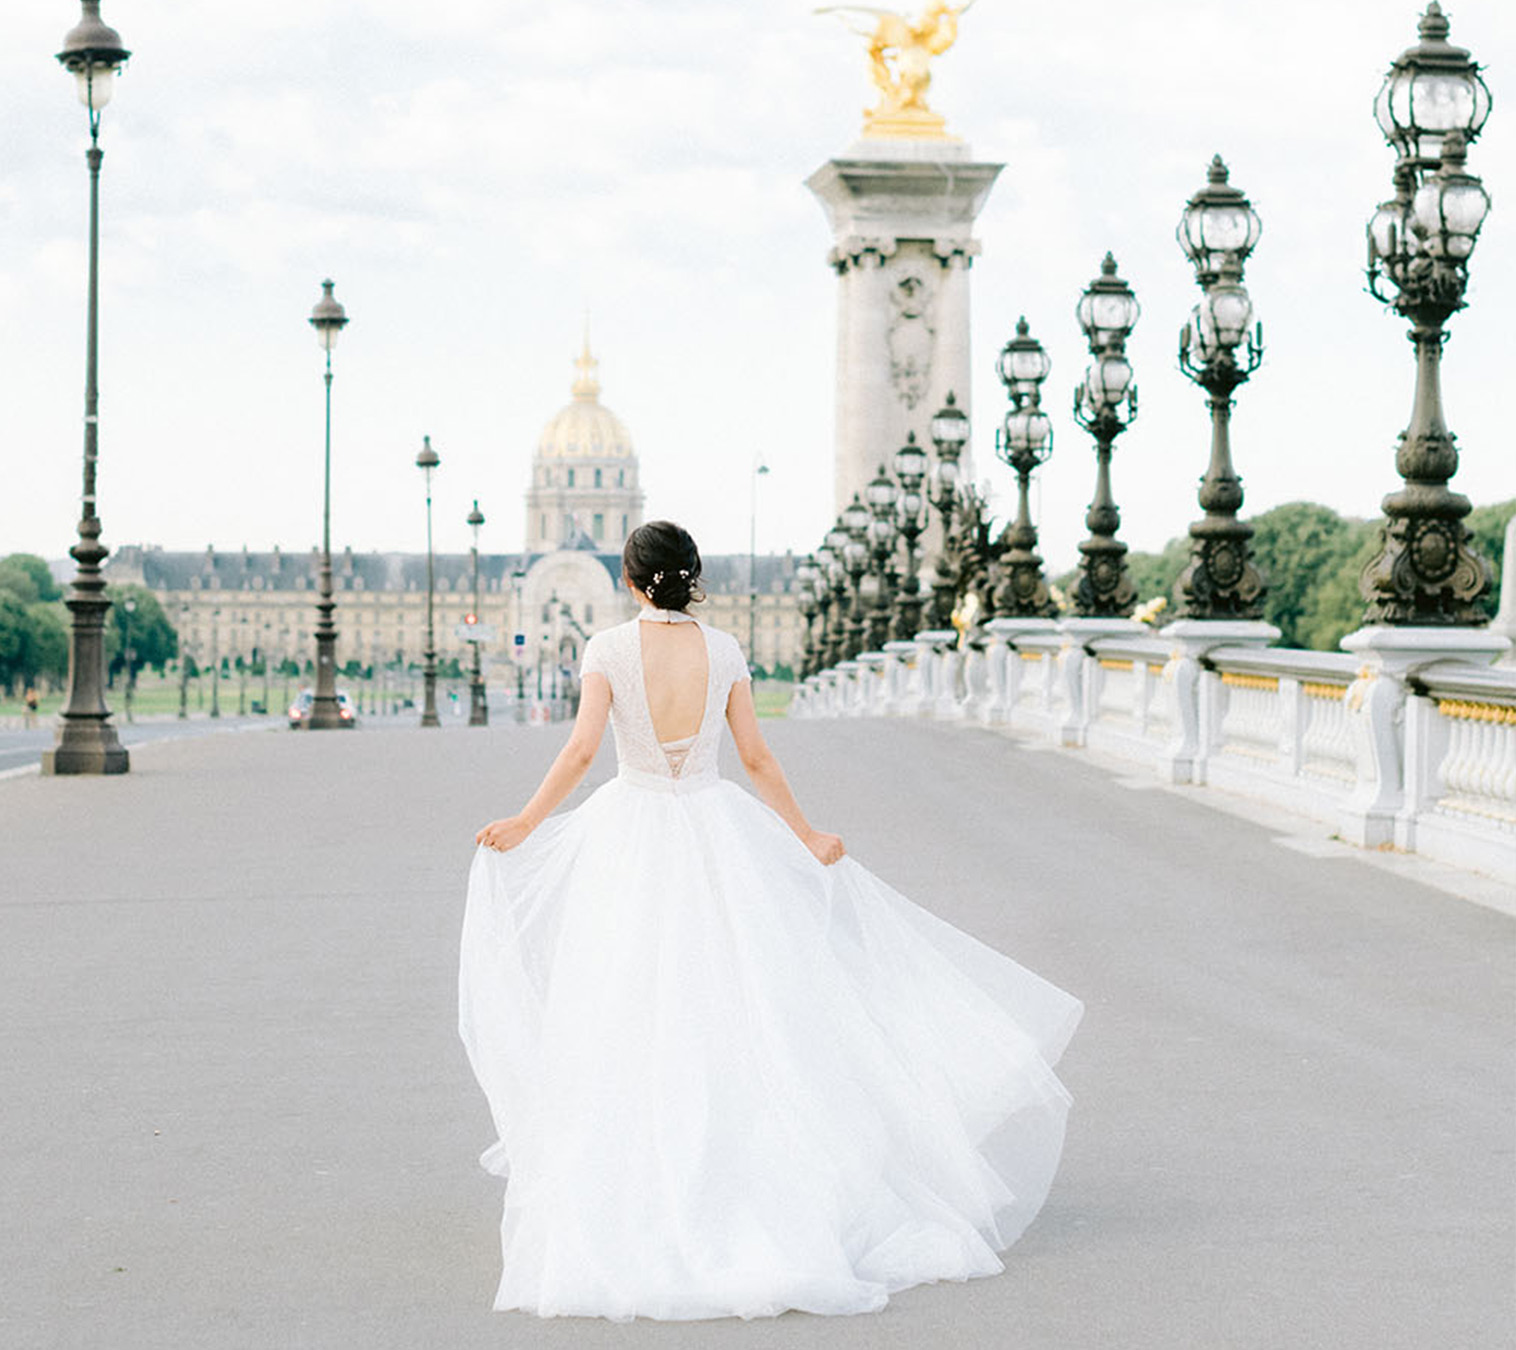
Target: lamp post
point(87, 742)
point(518, 649)
point(129, 608)
point(910, 469)
point(1105, 404)
point(883, 534)
point(759, 470)
point(242, 663)
point(216, 662)
point(427, 459)
point(1219, 348)
point(808, 576)
point(836, 578)
point(1024, 443)
point(328, 318)
point(478, 709)
point(183, 664)
point(263, 655)
point(1432, 106)
point(950, 432)
point(855, 561)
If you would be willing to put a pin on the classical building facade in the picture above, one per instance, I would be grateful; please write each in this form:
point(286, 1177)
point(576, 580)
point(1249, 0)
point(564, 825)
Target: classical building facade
point(542, 604)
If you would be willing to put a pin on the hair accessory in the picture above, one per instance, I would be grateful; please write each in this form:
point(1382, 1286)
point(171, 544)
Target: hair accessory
point(657, 577)
point(684, 574)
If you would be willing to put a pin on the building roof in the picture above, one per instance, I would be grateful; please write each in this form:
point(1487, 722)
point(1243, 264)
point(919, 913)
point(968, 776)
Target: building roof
point(276, 570)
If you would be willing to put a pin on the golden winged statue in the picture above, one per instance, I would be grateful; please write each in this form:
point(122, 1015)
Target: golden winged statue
point(900, 54)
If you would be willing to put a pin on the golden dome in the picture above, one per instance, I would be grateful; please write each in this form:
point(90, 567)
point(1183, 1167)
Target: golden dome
point(585, 428)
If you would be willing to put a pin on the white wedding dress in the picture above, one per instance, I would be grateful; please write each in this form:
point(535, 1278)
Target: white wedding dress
point(728, 1080)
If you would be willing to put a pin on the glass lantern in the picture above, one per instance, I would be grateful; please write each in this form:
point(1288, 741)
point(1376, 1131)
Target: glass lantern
point(1432, 89)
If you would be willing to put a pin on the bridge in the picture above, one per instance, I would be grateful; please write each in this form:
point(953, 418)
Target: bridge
point(237, 1114)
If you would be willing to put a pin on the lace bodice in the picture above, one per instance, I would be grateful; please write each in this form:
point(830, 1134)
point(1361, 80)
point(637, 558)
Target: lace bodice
point(616, 653)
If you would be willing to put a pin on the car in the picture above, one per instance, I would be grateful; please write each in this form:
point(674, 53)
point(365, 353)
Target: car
point(305, 700)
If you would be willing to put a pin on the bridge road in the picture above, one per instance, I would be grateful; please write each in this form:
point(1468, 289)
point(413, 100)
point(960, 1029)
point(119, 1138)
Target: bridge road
point(236, 1113)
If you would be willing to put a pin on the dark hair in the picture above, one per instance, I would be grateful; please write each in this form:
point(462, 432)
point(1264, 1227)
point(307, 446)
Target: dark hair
point(661, 560)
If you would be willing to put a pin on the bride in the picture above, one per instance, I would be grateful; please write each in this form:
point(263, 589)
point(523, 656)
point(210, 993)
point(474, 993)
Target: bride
point(731, 1071)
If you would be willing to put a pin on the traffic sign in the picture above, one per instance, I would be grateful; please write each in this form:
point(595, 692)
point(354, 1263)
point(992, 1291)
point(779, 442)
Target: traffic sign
point(521, 639)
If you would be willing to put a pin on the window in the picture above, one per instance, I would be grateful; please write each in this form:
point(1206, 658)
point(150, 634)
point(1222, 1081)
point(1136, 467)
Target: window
point(589, 613)
point(599, 526)
point(623, 525)
point(597, 477)
point(620, 477)
point(571, 478)
point(542, 529)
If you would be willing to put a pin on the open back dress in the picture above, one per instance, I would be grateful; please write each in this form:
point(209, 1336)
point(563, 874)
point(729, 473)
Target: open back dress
point(727, 1080)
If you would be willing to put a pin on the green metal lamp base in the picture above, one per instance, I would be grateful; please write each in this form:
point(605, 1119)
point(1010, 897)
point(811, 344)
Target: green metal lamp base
point(86, 749)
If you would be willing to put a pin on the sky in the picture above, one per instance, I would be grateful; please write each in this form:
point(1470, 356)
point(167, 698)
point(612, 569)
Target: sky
point(476, 174)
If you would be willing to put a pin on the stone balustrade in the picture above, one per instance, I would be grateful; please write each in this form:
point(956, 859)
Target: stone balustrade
point(1399, 746)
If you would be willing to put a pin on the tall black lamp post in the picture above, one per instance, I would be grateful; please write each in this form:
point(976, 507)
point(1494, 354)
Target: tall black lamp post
point(129, 608)
point(328, 318)
point(950, 433)
point(1432, 106)
point(427, 460)
point(837, 581)
point(910, 469)
point(87, 742)
point(1024, 443)
point(478, 707)
point(1105, 404)
point(518, 649)
point(883, 534)
point(1219, 348)
point(184, 611)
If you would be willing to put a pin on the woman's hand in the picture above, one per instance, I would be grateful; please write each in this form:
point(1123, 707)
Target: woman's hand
point(503, 834)
point(827, 847)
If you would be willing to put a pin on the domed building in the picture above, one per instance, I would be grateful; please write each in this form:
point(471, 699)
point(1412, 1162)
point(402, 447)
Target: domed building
point(584, 492)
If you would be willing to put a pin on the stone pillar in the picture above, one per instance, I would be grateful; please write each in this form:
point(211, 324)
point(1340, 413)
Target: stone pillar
point(902, 216)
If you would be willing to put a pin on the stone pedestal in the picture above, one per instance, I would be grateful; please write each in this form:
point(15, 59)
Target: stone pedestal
point(1376, 702)
point(902, 216)
point(1005, 664)
point(1195, 703)
point(1073, 669)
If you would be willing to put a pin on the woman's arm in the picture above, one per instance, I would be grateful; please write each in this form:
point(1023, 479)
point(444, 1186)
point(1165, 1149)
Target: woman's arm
point(571, 765)
point(768, 778)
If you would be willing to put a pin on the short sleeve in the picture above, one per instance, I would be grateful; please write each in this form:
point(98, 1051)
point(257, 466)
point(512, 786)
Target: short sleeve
point(593, 662)
point(737, 667)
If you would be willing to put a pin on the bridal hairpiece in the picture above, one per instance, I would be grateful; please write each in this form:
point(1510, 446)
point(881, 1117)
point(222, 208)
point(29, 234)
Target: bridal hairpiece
point(658, 576)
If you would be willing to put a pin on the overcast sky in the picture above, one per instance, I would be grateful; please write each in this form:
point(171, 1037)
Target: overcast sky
point(475, 173)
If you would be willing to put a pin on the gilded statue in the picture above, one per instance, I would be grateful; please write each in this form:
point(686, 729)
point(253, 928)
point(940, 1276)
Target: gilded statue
point(900, 54)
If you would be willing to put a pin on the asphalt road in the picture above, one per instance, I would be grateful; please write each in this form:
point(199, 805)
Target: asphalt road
point(21, 749)
point(236, 1113)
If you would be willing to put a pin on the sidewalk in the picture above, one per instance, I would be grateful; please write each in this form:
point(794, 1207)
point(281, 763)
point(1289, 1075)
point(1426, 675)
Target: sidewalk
point(237, 1115)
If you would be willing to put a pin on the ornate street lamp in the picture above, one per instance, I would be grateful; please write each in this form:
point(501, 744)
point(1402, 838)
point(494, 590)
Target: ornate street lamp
point(518, 650)
point(427, 460)
point(87, 742)
point(855, 520)
point(184, 611)
point(1024, 443)
point(1431, 89)
point(950, 432)
point(1219, 348)
point(328, 318)
point(808, 578)
point(478, 708)
point(1433, 104)
point(1105, 404)
point(910, 469)
point(883, 534)
point(129, 608)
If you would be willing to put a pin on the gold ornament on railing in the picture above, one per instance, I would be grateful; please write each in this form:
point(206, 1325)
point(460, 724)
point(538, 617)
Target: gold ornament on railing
point(900, 54)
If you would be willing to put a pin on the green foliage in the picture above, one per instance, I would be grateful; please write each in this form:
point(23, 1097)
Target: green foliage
point(33, 642)
point(1488, 525)
point(1305, 551)
point(28, 578)
point(152, 638)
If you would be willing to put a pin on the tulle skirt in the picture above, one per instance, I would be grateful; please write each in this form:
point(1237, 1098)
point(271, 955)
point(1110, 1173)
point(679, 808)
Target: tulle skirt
point(729, 1081)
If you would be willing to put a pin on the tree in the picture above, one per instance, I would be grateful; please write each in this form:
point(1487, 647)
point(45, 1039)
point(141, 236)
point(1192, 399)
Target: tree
point(1300, 546)
point(153, 640)
point(28, 578)
point(48, 652)
point(1487, 524)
